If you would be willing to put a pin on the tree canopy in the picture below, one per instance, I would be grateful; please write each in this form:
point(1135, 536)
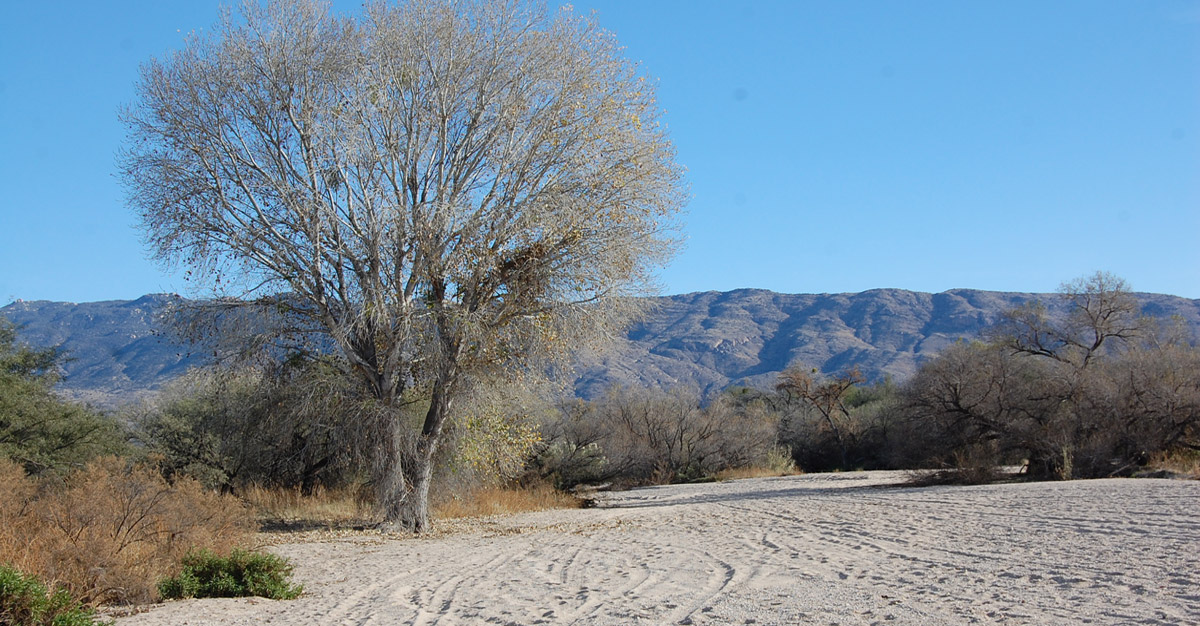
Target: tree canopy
point(37, 429)
point(439, 185)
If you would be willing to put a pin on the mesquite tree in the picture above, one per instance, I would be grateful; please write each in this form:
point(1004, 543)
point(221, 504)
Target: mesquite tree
point(1091, 392)
point(438, 185)
point(828, 397)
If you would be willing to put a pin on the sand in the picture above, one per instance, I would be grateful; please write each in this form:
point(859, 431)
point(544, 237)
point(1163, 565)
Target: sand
point(849, 548)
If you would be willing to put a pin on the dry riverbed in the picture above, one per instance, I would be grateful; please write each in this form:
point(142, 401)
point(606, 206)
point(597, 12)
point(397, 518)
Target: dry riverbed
point(850, 548)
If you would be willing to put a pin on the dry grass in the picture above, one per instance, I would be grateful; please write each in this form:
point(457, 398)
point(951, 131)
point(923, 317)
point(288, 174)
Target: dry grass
point(276, 507)
point(777, 462)
point(1182, 461)
point(288, 511)
point(754, 471)
point(503, 500)
point(111, 531)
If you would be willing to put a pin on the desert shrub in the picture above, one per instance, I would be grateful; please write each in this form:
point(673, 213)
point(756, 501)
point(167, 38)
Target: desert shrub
point(652, 436)
point(491, 438)
point(25, 601)
point(971, 465)
point(746, 435)
point(241, 574)
point(570, 453)
point(494, 444)
point(647, 436)
point(109, 532)
point(568, 463)
point(492, 435)
point(779, 461)
point(837, 423)
point(1095, 393)
point(38, 429)
point(279, 424)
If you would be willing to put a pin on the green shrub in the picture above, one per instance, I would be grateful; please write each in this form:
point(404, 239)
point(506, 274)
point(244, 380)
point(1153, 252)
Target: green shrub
point(38, 429)
point(25, 601)
point(280, 425)
point(242, 573)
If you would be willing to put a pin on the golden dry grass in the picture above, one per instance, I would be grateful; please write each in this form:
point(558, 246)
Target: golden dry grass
point(503, 500)
point(738, 473)
point(1181, 461)
point(291, 510)
point(322, 507)
point(111, 531)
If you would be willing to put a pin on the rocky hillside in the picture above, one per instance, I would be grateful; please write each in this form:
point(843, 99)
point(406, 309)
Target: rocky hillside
point(711, 340)
point(116, 350)
point(120, 349)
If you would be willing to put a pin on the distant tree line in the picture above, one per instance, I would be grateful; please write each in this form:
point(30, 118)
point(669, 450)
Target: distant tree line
point(1098, 392)
point(1101, 391)
point(1093, 394)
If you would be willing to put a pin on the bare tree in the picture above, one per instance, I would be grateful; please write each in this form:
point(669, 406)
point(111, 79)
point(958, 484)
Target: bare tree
point(984, 404)
point(439, 185)
point(1101, 312)
point(828, 398)
point(1093, 392)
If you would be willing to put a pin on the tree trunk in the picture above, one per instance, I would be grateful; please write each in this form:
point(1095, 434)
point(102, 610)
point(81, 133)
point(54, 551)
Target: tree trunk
point(409, 511)
point(404, 495)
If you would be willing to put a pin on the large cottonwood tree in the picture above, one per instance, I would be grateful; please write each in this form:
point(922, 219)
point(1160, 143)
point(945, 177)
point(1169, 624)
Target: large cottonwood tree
point(438, 185)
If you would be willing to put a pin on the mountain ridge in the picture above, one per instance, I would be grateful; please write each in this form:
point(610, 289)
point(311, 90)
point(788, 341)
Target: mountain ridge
point(121, 351)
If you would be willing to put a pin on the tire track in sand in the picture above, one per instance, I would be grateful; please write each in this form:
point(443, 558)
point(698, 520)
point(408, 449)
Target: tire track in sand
point(807, 549)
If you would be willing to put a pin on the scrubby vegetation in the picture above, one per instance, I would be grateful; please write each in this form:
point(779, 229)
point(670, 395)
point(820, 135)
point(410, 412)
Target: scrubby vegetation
point(25, 601)
point(1097, 394)
point(643, 436)
point(242, 573)
point(275, 425)
point(1101, 392)
point(99, 528)
point(37, 429)
point(107, 534)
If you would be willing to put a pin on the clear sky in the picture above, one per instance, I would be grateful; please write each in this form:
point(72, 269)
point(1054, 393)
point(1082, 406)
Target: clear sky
point(831, 146)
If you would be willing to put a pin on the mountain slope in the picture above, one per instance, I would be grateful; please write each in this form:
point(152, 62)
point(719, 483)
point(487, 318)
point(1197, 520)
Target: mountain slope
point(121, 349)
point(711, 340)
point(117, 350)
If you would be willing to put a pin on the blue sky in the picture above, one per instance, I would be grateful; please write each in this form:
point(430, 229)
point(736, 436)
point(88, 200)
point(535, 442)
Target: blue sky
point(831, 146)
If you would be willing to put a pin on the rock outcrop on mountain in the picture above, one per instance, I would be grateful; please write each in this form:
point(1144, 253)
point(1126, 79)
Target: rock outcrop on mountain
point(121, 350)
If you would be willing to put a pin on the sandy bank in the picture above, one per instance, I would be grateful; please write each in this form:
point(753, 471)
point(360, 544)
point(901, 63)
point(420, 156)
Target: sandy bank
point(820, 549)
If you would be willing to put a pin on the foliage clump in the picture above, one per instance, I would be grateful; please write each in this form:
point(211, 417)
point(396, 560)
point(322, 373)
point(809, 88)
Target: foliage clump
point(25, 601)
point(109, 532)
point(38, 429)
point(243, 573)
point(277, 425)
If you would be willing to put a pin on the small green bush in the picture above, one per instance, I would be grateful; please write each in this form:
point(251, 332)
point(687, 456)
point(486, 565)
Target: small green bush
point(25, 601)
point(242, 573)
